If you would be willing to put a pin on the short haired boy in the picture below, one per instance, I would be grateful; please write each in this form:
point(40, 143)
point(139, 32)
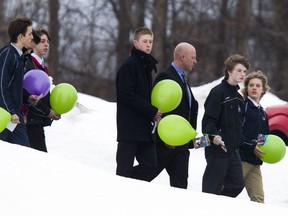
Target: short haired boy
point(11, 78)
point(222, 121)
point(134, 110)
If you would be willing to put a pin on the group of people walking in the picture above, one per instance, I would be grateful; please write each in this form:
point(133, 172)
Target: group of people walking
point(230, 118)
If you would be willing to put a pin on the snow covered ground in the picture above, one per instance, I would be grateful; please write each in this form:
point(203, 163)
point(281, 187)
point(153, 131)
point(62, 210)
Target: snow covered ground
point(77, 176)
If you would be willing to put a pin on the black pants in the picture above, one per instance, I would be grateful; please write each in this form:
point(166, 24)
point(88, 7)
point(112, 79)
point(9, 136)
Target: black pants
point(36, 137)
point(223, 175)
point(143, 152)
point(176, 162)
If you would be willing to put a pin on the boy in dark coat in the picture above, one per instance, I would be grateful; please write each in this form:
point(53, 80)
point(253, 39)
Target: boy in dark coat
point(135, 114)
point(11, 79)
point(222, 121)
point(255, 123)
point(41, 114)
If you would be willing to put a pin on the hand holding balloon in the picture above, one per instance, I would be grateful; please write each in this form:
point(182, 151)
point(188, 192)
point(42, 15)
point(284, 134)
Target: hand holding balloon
point(36, 82)
point(158, 115)
point(53, 115)
point(258, 152)
point(274, 149)
point(34, 99)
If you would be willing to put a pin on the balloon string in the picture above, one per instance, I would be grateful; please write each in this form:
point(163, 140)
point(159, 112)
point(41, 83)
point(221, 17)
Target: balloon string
point(155, 126)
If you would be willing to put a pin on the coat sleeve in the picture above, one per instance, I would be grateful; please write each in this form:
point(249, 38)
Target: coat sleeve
point(127, 85)
point(6, 96)
point(250, 134)
point(212, 113)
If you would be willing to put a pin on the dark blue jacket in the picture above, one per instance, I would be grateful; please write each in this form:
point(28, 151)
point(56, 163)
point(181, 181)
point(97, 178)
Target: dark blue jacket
point(133, 87)
point(223, 116)
point(255, 123)
point(11, 80)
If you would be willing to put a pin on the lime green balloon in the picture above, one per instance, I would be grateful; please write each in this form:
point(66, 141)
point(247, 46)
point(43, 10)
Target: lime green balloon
point(274, 148)
point(63, 98)
point(175, 130)
point(166, 95)
point(5, 117)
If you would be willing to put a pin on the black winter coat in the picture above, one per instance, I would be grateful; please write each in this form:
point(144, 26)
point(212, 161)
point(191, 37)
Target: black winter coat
point(37, 114)
point(255, 123)
point(11, 80)
point(223, 116)
point(183, 108)
point(133, 89)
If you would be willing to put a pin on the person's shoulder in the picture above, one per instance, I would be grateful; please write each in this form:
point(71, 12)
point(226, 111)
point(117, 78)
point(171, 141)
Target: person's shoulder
point(29, 65)
point(129, 64)
point(217, 92)
point(161, 76)
point(167, 73)
point(9, 52)
point(218, 87)
point(248, 102)
point(169, 69)
point(129, 61)
point(4, 49)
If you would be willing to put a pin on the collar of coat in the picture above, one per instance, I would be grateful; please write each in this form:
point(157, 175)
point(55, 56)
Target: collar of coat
point(147, 59)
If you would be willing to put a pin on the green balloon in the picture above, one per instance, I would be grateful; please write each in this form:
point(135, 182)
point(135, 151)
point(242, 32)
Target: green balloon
point(166, 95)
point(63, 98)
point(274, 148)
point(175, 130)
point(5, 117)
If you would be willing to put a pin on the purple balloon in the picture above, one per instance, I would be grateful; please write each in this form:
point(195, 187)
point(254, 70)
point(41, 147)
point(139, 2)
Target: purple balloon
point(36, 82)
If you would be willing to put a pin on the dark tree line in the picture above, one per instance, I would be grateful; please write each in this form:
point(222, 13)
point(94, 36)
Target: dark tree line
point(91, 38)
